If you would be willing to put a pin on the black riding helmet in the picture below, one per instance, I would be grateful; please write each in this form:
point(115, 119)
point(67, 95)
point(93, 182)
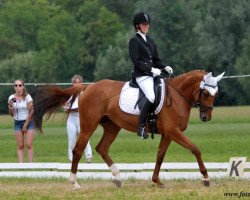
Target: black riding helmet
point(141, 17)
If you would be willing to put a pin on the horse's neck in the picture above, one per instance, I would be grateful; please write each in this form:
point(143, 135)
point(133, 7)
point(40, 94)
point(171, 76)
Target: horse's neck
point(187, 84)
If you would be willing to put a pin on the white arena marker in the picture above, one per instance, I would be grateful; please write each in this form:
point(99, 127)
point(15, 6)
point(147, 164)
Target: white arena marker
point(236, 166)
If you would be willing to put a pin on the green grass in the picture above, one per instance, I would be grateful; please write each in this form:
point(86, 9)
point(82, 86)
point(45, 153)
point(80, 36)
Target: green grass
point(52, 189)
point(227, 135)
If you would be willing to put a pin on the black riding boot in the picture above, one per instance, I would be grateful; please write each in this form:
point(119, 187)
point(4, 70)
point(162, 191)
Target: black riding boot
point(143, 119)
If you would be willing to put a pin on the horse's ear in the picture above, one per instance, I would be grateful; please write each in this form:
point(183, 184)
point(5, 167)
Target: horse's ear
point(219, 77)
point(208, 76)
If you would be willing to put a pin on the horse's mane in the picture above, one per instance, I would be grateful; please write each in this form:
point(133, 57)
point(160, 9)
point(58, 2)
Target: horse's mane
point(190, 73)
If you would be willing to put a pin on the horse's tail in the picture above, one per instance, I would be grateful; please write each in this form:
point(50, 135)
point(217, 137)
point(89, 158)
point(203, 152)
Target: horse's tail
point(48, 99)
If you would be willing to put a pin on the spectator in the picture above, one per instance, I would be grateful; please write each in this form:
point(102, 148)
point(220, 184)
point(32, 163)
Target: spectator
point(20, 107)
point(73, 122)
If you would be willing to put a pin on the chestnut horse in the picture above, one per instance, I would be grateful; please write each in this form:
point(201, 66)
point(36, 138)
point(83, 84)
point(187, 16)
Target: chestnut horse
point(99, 104)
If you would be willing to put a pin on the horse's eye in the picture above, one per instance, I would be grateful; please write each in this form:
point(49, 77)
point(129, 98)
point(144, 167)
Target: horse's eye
point(206, 93)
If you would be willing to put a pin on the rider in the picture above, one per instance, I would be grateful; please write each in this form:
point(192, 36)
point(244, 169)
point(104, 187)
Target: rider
point(144, 55)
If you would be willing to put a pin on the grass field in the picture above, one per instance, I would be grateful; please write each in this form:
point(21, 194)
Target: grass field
point(58, 189)
point(227, 135)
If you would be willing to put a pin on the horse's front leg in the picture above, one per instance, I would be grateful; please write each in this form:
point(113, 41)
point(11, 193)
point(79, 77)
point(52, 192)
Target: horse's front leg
point(181, 139)
point(77, 154)
point(163, 146)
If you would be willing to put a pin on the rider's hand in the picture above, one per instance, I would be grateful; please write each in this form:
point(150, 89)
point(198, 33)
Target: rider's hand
point(169, 69)
point(156, 71)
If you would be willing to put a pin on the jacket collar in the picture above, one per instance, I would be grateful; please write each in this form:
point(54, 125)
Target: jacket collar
point(144, 36)
point(140, 37)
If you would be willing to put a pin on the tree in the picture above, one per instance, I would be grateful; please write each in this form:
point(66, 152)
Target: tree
point(19, 66)
point(221, 31)
point(60, 44)
point(124, 9)
point(99, 28)
point(9, 47)
point(114, 63)
point(172, 27)
point(69, 5)
point(201, 34)
point(19, 22)
point(242, 66)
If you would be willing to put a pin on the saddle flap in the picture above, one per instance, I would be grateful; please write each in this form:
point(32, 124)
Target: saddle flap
point(131, 98)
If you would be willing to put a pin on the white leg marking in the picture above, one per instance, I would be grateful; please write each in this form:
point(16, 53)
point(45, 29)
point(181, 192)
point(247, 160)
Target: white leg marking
point(72, 179)
point(115, 172)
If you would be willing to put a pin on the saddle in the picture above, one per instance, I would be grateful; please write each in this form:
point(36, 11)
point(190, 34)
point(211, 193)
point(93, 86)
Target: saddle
point(142, 97)
point(132, 98)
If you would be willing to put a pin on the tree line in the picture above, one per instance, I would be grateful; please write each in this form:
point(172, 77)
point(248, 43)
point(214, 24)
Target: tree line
point(51, 40)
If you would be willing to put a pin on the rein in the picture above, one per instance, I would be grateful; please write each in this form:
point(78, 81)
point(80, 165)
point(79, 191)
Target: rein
point(196, 104)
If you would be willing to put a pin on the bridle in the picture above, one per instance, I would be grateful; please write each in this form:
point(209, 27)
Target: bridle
point(198, 103)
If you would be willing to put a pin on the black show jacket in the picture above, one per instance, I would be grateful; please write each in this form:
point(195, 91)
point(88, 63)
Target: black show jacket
point(144, 55)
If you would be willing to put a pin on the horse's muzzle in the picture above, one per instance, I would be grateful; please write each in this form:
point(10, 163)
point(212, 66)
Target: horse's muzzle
point(205, 117)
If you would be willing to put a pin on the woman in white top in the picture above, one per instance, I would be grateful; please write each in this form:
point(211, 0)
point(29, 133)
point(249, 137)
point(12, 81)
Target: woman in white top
point(73, 123)
point(20, 107)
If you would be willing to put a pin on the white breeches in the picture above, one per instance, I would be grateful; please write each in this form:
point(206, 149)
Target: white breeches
point(146, 83)
point(73, 128)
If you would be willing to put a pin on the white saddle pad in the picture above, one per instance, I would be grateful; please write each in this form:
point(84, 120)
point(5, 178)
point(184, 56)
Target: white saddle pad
point(129, 97)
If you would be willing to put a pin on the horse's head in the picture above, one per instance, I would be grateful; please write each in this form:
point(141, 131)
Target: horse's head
point(208, 90)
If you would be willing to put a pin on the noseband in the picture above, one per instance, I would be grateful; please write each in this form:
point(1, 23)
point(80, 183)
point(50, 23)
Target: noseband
point(198, 104)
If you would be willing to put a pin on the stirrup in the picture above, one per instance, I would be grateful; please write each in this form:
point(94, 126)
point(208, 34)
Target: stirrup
point(142, 133)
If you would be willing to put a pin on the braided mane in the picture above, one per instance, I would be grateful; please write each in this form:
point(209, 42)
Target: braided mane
point(190, 73)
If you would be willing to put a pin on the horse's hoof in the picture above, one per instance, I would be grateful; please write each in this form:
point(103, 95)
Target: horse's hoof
point(161, 186)
point(205, 182)
point(76, 186)
point(158, 183)
point(117, 183)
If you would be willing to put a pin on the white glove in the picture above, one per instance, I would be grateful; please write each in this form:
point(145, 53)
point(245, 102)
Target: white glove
point(169, 69)
point(156, 71)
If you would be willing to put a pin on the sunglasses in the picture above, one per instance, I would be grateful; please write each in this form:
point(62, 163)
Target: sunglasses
point(18, 85)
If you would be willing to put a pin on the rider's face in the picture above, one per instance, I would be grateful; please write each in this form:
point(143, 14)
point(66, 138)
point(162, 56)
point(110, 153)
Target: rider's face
point(144, 27)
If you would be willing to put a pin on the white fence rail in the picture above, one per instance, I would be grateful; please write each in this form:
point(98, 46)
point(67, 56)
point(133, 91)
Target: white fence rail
point(142, 171)
point(87, 83)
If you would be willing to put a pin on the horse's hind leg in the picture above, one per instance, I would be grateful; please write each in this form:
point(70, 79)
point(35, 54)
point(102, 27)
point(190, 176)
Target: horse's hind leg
point(111, 130)
point(77, 153)
point(164, 144)
point(181, 139)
